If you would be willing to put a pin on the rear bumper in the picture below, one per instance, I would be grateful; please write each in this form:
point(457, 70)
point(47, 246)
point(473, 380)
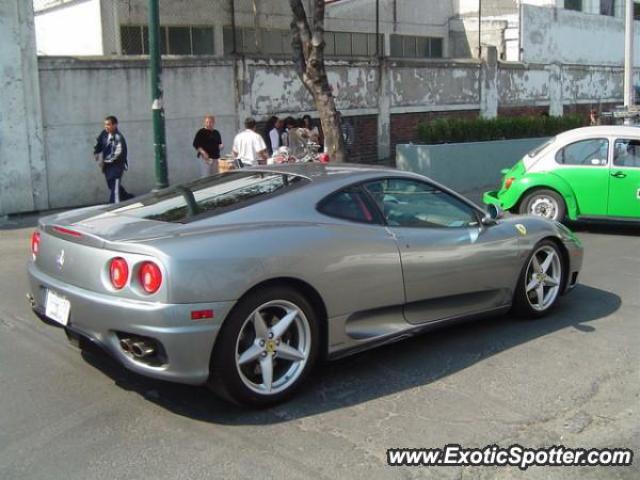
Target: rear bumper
point(505, 199)
point(575, 265)
point(491, 198)
point(187, 344)
point(575, 255)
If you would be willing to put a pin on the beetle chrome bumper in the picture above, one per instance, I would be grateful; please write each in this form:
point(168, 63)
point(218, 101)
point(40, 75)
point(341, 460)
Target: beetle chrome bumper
point(491, 198)
point(187, 344)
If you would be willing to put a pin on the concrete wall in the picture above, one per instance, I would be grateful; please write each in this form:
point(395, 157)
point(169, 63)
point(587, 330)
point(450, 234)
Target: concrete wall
point(465, 167)
point(524, 84)
point(70, 29)
point(568, 37)
point(23, 185)
point(273, 87)
point(386, 102)
point(77, 95)
point(438, 84)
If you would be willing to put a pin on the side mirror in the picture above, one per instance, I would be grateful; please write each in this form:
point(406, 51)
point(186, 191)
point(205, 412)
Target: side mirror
point(494, 213)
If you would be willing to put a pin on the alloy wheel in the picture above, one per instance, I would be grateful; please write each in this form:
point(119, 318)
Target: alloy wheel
point(542, 281)
point(273, 347)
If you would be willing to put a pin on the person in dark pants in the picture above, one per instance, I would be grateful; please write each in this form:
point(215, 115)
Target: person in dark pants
point(110, 151)
point(266, 135)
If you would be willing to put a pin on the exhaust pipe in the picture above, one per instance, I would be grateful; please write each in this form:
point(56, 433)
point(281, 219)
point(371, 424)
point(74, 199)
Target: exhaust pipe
point(125, 344)
point(142, 349)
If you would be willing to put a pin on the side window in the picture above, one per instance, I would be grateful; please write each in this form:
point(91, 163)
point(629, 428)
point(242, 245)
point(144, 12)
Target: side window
point(349, 204)
point(411, 203)
point(592, 152)
point(626, 153)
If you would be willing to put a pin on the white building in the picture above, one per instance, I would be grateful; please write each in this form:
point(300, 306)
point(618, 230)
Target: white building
point(532, 31)
point(584, 32)
point(205, 27)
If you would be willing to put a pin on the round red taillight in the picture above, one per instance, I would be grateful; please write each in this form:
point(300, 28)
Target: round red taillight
point(323, 158)
point(150, 277)
point(35, 244)
point(118, 272)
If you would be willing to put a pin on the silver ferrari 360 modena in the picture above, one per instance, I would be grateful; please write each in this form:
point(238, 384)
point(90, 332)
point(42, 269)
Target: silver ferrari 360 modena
point(243, 281)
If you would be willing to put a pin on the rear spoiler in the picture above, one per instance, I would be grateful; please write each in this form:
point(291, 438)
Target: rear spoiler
point(73, 234)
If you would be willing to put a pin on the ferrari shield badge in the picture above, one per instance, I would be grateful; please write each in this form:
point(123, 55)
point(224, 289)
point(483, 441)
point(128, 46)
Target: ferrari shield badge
point(60, 260)
point(522, 230)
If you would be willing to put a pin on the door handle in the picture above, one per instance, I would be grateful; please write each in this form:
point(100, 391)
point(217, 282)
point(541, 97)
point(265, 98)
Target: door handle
point(619, 174)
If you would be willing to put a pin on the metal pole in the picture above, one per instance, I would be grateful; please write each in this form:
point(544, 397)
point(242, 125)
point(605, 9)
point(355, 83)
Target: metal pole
point(157, 107)
point(378, 28)
point(233, 27)
point(479, 28)
point(628, 56)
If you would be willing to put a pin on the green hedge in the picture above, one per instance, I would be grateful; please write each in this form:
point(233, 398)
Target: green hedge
point(454, 130)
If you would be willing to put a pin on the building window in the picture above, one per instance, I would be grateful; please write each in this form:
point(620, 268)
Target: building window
point(573, 5)
point(202, 40)
point(607, 7)
point(134, 40)
point(261, 41)
point(416, 47)
point(636, 11)
point(179, 40)
point(278, 42)
point(196, 40)
point(353, 44)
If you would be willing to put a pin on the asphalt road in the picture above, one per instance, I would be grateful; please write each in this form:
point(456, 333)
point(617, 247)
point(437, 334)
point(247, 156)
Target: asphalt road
point(570, 379)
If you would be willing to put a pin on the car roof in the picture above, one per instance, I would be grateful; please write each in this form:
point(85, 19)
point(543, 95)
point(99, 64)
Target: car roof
point(326, 177)
point(604, 130)
point(330, 173)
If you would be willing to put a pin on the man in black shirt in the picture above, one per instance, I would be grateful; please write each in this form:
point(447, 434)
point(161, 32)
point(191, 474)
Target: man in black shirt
point(208, 144)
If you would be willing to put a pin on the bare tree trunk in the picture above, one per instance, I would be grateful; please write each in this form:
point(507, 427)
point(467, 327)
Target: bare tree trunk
point(308, 51)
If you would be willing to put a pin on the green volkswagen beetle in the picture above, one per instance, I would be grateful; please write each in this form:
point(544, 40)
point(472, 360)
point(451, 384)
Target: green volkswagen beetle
point(586, 173)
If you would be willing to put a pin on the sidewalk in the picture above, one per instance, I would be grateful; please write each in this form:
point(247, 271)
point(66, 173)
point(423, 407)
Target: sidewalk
point(27, 220)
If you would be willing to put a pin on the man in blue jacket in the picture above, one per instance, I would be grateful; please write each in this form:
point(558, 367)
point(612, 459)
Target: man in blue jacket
point(111, 151)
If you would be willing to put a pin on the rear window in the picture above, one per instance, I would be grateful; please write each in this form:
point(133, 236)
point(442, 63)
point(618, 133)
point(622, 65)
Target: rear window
point(541, 147)
point(210, 196)
point(349, 204)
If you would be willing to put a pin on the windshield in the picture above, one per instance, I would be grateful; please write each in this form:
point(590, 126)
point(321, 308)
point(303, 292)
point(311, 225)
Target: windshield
point(210, 196)
point(541, 147)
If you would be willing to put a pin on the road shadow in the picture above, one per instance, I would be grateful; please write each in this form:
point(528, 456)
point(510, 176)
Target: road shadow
point(25, 220)
point(606, 228)
point(415, 362)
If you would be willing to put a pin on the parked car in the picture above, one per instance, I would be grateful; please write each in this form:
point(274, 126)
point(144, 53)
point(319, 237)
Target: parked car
point(590, 173)
point(244, 280)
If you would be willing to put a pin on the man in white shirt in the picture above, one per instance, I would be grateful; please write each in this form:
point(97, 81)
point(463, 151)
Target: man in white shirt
point(248, 146)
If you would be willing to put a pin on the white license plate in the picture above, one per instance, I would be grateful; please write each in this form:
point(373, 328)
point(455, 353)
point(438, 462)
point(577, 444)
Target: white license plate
point(57, 308)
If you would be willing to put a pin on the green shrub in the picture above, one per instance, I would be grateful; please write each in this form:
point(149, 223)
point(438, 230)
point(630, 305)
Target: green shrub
point(455, 130)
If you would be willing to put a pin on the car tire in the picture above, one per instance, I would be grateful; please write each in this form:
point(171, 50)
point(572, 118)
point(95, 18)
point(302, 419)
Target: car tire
point(541, 281)
point(544, 203)
point(266, 348)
